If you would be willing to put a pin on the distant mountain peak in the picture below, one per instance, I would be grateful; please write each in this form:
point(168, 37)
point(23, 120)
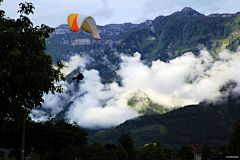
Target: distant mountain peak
point(188, 12)
point(188, 9)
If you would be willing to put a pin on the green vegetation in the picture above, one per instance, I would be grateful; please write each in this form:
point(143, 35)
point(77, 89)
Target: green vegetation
point(59, 139)
point(46, 140)
point(233, 148)
point(141, 103)
point(174, 36)
point(206, 151)
point(194, 124)
point(26, 72)
point(167, 38)
point(185, 153)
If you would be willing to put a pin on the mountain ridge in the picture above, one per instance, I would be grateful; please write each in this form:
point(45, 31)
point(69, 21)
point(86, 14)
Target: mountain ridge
point(64, 43)
point(176, 34)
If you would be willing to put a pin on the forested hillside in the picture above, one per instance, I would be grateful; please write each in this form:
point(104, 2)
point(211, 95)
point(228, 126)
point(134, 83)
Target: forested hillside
point(183, 32)
point(210, 123)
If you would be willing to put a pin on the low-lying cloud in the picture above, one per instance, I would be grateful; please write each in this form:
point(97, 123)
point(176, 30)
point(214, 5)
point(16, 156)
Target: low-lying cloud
point(185, 80)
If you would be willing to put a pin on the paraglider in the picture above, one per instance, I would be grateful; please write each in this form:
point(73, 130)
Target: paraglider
point(87, 23)
point(79, 77)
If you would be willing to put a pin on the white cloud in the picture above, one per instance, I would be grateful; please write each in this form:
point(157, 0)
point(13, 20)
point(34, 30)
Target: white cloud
point(89, 111)
point(166, 83)
point(186, 80)
point(75, 62)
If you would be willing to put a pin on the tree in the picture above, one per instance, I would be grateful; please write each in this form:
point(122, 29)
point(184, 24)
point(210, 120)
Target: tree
point(111, 149)
point(48, 139)
point(185, 153)
point(26, 72)
point(72, 151)
point(233, 148)
point(53, 136)
point(97, 152)
point(143, 153)
point(150, 151)
point(127, 142)
point(121, 153)
point(155, 152)
point(168, 152)
point(206, 152)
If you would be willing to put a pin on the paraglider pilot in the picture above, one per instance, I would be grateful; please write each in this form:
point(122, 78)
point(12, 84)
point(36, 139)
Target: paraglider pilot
point(79, 77)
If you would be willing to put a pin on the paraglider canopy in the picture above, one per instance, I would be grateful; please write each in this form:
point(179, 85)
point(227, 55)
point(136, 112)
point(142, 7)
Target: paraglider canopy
point(87, 23)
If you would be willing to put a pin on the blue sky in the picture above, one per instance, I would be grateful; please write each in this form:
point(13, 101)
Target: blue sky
point(55, 12)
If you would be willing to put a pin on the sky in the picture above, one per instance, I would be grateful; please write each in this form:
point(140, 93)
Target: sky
point(54, 12)
point(95, 105)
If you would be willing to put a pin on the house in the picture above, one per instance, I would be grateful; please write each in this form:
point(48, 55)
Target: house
point(197, 152)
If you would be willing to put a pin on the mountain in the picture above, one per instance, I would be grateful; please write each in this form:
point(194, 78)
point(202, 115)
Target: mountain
point(164, 38)
point(63, 43)
point(209, 123)
point(182, 32)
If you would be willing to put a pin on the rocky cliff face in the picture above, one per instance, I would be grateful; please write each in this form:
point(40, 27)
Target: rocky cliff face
point(63, 43)
point(181, 32)
point(62, 29)
point(163, 38)
point(225, 15)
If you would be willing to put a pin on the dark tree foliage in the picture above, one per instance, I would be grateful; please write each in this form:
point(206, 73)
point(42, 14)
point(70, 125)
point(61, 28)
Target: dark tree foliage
point(233, 148)
point(26, 72)
point(72, 151)
point(185, 153)
point(110, 147)
point(150, 151)
point(206, 152)
point(155, 152)
point(168, 152)
point(127, 142)
point(121, 153)
point(143, 153)
point(97, 152)
point(47, 138)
